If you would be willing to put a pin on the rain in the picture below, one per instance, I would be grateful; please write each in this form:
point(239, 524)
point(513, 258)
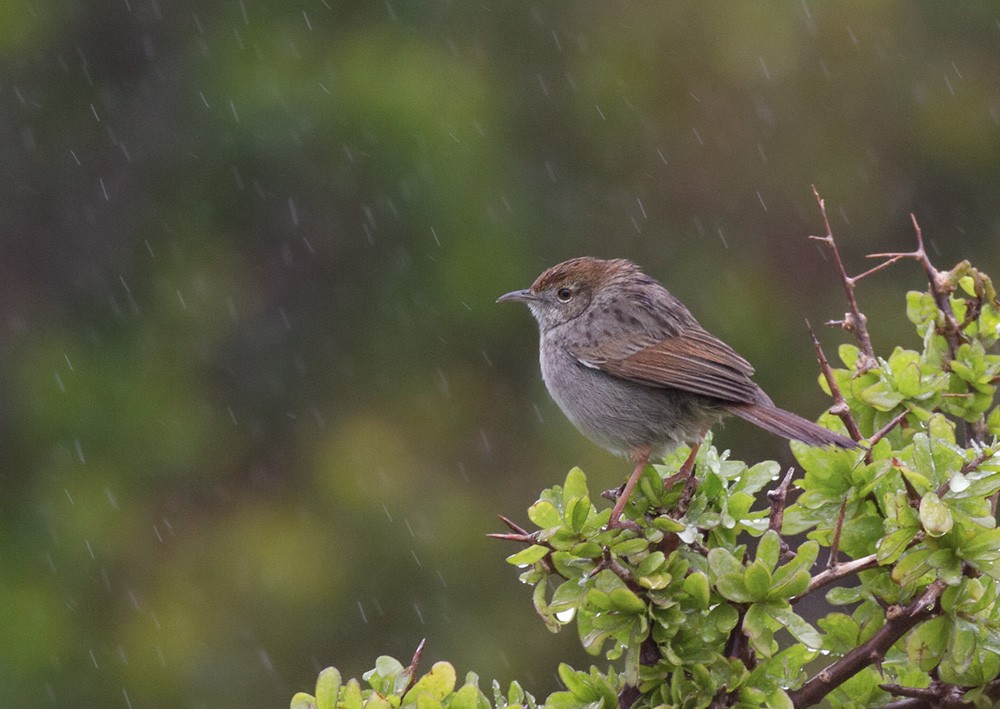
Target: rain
point(260, 408)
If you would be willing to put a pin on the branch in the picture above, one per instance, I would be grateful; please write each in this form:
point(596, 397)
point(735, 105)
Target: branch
point(519, 533)
point(854, 321)
point(840, 407)
point(778, 496)
point(839, 571)
point(899, 620)
point(411, 670)
point(835, 544)
point(967, 468)
point(884, 431)
point(940, 287)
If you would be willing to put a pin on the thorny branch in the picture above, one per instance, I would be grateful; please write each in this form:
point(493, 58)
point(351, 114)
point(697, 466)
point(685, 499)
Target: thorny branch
point(899, 620)
point(839, 571)
point(939, 284)
point(938, 694)
point(778, 497)
point(840, 407)
point(854, 321)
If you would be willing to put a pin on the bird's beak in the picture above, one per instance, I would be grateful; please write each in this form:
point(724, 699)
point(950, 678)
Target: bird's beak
point(517, 296)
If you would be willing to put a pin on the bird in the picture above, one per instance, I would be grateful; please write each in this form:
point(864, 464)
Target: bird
point(635, 372)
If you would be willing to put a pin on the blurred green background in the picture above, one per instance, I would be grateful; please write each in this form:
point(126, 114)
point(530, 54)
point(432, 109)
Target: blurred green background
point(258, 405)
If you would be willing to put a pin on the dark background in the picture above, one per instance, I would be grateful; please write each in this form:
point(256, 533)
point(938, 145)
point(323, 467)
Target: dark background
point(257, 405)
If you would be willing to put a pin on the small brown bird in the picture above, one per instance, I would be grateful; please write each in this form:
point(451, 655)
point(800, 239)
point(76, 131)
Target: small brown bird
point(635, 372)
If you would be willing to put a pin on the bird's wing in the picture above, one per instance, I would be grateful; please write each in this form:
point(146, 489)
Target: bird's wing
point(693, 360)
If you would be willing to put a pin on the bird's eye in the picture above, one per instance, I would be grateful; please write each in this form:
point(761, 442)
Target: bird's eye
point(564, 294)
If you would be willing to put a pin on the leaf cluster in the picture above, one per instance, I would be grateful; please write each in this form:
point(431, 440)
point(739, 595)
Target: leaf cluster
point(695, 600)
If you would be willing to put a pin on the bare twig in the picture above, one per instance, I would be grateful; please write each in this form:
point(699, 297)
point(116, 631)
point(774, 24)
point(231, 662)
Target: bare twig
point(899, 621)
point(778, 497)
point(884, 431)
point(840, 407)
point(838, 572)
point(519, 533)
point(938, 694)
point(414, 663)
point(854, 321)
point(608, 562)
point(939, 286)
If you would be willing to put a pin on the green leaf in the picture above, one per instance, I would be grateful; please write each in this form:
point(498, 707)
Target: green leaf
point(982, 546)
point(668, 524)
point(912, 565)
point(377, 701)
point(848, 354)
point(733, 587)
point(350, 695)
point(768, 549)
point(893, 545)
point(438, 683)
point(696, 585)
point(757, 580)
point(527, 557)
point(651, 563)
point(301, 700)
point(625, 600)
point(756, 627)
point(544, 514)
point(630, 546)
point(577, 683)
point(327, 688)
point(575, 486)
point(926, 644)
point(469, 695)
point(577, 511)
point(756, 477)
point(721, 561)
point(935, 517)
point(798, 627)
point(842, 595)
point(569, 594)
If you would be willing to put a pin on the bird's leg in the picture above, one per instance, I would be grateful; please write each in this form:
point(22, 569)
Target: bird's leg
point(640, 457)
point(687, 469)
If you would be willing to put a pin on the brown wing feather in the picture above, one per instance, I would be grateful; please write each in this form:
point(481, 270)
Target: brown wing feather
point(694, 361)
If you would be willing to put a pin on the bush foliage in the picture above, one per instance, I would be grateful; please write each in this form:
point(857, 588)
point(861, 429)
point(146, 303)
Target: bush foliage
point(695, 602)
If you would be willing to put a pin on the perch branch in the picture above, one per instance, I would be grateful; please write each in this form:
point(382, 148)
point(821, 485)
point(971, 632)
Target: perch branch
point(778, 497)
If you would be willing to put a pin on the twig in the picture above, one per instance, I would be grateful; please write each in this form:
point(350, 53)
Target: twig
point(519, 534)
point(968, 468)
point(884, 431)
point(835, 544)
point(929, 693)
point(840, 407)
point(854, 321)
point(607, 562)
point(839, 571)
point(778, 496)
point(911, 492)
point(978, 460)
point(899, 620)
point(412, 668)
point(939, 287)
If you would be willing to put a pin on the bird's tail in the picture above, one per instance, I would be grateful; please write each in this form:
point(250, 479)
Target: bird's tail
point(788, 425)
